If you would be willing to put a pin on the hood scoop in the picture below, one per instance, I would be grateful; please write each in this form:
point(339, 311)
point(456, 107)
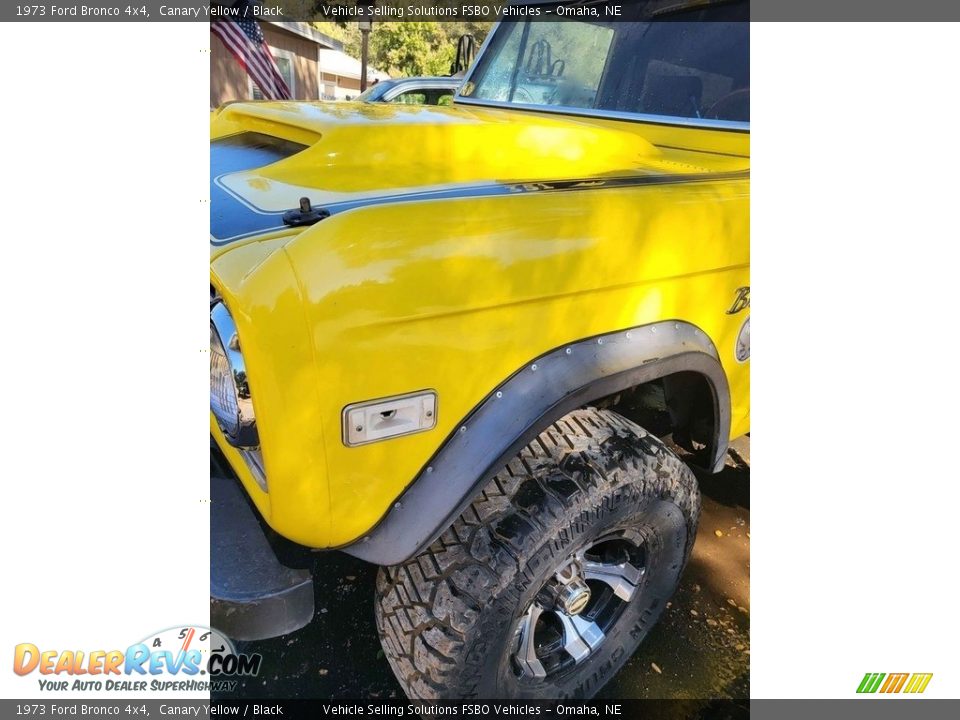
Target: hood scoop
point(306, 214)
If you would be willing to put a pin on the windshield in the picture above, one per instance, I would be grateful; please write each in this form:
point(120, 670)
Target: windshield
point(374, 91)
point(682, 64)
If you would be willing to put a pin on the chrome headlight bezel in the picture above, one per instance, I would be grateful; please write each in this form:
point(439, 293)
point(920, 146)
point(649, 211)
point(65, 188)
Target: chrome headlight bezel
point(238, 423)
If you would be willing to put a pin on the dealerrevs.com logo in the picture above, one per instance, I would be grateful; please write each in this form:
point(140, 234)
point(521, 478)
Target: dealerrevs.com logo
point(910, 683)
point(182, 659)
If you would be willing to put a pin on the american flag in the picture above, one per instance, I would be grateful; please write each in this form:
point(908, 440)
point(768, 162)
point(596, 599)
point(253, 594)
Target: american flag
point(242, 36)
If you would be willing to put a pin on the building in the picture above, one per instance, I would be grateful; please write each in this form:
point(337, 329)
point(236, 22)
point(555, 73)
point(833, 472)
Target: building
point(340, 75)
point(313, 65)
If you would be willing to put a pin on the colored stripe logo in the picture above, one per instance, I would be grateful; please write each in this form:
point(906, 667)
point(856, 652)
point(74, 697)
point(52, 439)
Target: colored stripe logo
point(894, 682)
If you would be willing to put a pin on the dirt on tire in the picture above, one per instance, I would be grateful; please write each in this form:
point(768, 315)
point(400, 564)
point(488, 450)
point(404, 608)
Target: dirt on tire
point(446, 617)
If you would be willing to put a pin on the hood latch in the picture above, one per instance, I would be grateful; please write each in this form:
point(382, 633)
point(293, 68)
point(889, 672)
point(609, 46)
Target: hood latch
point(306, 214)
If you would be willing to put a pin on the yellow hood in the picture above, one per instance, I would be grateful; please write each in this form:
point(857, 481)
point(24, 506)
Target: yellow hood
point(347, 155)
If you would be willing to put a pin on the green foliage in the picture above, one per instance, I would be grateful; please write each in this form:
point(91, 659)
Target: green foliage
point(411, 48)
point(349, 36)
point(405, 49)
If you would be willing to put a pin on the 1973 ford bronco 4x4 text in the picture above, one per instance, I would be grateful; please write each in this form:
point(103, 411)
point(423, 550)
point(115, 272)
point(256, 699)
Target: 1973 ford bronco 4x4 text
point(452, 341)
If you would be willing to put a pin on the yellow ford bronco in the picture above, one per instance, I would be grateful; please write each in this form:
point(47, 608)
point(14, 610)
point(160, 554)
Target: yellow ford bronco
point(464, 343)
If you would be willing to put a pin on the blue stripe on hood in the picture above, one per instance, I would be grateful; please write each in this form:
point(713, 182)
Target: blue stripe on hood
point(231, 219)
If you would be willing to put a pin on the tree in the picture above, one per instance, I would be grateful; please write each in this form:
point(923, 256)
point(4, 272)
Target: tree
point(411, 48)
point(404, 48)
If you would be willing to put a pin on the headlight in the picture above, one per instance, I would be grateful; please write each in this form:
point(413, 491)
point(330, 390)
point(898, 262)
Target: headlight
point(230, 398)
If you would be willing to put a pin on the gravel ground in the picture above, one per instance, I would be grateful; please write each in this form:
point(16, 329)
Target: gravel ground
point(699, 649)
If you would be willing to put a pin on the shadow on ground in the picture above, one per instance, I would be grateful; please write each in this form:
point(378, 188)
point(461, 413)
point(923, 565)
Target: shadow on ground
point(699, 649)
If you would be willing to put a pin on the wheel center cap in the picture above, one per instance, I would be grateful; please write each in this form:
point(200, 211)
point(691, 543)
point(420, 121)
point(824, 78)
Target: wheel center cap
point(574, 597)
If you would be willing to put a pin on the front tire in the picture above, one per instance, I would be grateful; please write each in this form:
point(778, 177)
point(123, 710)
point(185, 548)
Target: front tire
point(553, 576)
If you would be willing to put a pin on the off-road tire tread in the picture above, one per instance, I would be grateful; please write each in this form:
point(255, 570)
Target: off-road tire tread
point(428, 608)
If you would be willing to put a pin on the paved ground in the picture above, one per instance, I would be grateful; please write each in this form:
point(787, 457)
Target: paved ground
point(699, 649)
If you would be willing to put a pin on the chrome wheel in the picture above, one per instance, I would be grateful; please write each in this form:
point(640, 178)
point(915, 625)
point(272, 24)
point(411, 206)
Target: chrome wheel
point(578, 606)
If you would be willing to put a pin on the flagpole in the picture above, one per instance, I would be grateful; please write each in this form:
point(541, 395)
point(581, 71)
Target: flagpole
point(366, 23)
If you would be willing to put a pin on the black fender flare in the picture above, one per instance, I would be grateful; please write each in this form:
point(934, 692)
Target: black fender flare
point(538, 394)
